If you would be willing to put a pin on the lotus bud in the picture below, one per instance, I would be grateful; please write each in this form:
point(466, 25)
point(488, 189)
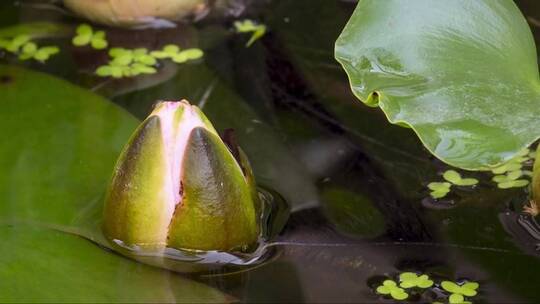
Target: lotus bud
point(176, 184)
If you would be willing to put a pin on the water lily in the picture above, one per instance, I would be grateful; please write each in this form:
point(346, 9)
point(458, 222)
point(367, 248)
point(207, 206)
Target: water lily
point(411, 279)
point(87, 36)
point(176, 184)
point(389, 287)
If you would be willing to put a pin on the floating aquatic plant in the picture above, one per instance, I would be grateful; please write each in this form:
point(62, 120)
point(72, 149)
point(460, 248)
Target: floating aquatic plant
point(31, 50)
point(455, 178)
point(14, 44)
point(128, 63)
point(123, 56)
point(87, 36)
point(249, 26)
point(510, 180)
point(456, 291)
point(177, 55)
point(439, 190)
point(119, 71)
point(168, 51)
point(27, 49)
point(390, 287)
point(411, 279)
point(459, 292)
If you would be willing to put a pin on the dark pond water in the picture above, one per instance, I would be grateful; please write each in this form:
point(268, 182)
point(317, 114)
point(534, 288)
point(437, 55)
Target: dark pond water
point(356, 185)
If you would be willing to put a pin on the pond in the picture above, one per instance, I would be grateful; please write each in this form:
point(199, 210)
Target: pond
point(356, 186)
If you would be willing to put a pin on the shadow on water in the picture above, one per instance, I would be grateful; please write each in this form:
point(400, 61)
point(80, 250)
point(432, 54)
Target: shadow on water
point(356, 184)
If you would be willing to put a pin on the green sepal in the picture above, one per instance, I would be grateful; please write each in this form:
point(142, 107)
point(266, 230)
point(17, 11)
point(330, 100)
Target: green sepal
point(217, 211)
point(138, 202)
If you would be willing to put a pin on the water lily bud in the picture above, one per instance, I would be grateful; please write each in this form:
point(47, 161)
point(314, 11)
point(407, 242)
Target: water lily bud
point(176, 184)
point(133, 13)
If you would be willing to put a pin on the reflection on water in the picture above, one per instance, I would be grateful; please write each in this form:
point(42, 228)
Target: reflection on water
point(355, 183)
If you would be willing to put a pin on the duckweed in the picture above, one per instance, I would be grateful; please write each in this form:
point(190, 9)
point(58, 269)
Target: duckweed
point(123, 56)
point(177, 55)
point(411, 279)
point(30, 50)
point(439, 190)
point(510, 180)
point(14, 44)
point(389, 287)
point(87, 36)
point(27, 49)
point(249, 26)
point(168, 51)
point(119, 71)
point(455, 178)
point(458, 293)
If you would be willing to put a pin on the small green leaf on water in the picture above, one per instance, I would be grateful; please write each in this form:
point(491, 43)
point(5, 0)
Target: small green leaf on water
point(468, 289)
point(44, 53)
point(411, 279)
point(513, 175)
point(452, 176)
point(104, 71)
point(17, 42)
point(168, 51)
point(98, 40)
point(141, 56)
point(25, 56)
point(84, 29)
point(86, 35)
point(192, 54)
point(455, 178)
point(389, 287)
point(143, 69)
point(258, 34)
point(179, 58)
point(171, 49)
point(439, 190)
point(123, 59)
point(513, 184)
point(510, 166)
point(247, 26)
point(439, 186)
point(450, 286)
point(29, 48)
point(81, 40)
point(456, 298)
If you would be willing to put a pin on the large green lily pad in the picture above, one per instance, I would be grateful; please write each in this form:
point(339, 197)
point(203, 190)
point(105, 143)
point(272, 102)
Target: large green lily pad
point(41, 265)
point(57, 155)
point(462, 74)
